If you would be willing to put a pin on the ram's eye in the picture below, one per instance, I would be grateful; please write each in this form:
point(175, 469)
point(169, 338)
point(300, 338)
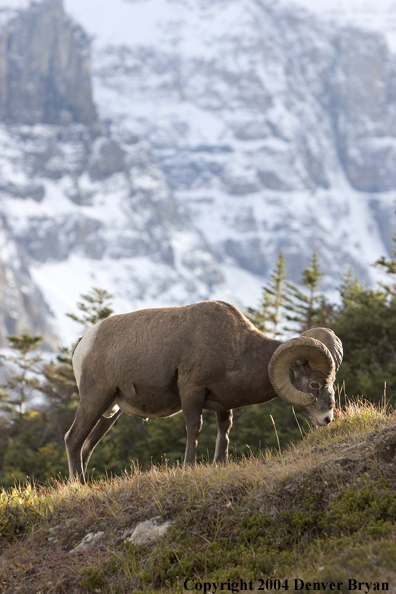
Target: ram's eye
point(314, 385)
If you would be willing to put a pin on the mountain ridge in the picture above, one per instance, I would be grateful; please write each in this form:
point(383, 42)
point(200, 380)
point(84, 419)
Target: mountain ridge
point(213, 139)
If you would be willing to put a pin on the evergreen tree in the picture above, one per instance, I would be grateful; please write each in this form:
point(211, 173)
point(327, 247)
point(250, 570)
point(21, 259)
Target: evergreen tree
point(366, 324)
point(94, 307)
point(269, 316)
point(22, 369)
point(389, 266)
point(260, 317)
point(308, 307)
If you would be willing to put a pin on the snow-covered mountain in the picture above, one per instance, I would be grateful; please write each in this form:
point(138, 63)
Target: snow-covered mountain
point(374, 15)
point(166, 150)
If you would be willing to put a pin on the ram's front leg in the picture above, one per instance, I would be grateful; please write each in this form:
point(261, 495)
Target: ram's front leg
point(94, 401)
point(192, 404)
point(224, 424)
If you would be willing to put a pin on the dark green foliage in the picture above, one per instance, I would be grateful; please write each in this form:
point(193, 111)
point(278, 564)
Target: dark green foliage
point(254, 431)
point(366, 324)
point(20, 367)
point(30, 450)
point(24, 343)
point(35, 446)
point(364, 506)
point(92, 579)
point(32, 443)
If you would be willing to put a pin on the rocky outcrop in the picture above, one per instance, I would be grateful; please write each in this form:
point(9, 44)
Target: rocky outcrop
point(22, 307)
point(44, 79)
point(362, 87)
point(72, 199)
point(107, 157)
point(45, 68)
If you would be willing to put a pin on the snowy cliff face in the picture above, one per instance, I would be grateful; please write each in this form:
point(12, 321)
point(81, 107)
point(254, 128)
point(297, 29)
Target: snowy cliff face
point(23, 308)
point(44, 67)
point(218, 134)
point(274, 129)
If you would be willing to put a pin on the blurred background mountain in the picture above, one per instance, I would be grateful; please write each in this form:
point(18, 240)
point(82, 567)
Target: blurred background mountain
point(167, 150)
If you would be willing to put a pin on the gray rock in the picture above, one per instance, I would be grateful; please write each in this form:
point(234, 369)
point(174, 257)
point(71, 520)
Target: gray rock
point(49, 239)
point(89, 542)
point(149, 531)
point(80, 197)
point(34, 191)
point(241, 185)
point(272, 180)
point(191, 173)
point(22, 307)
point(107, 158)
point(384, 220)
point(248, 253)
point(45, 68)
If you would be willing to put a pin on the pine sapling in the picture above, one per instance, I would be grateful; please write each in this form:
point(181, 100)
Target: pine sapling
point(271, 312)
point(94, 306)
point(22, 370)
point(307, 306)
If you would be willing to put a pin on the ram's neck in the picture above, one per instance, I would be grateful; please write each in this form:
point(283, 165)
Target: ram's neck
point(251, 370)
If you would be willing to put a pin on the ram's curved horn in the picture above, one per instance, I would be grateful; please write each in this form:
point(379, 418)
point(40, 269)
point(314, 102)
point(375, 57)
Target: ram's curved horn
point(304, 347)
point(331, 340)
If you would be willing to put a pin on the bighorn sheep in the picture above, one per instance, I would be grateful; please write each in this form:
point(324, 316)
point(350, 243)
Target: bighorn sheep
point(158, 362)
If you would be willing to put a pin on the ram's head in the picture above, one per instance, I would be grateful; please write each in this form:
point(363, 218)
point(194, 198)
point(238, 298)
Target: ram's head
point(302, 372)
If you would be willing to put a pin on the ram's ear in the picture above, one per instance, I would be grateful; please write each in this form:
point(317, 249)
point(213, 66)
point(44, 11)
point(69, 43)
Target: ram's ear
point(298, 368)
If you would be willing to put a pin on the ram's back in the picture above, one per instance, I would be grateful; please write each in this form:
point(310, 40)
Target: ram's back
point(200, 339)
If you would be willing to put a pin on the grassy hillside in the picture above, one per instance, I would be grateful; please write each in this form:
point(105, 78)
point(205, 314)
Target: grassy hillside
point(322, 511)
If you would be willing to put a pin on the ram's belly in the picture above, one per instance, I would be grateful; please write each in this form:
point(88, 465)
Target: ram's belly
point(146, 401)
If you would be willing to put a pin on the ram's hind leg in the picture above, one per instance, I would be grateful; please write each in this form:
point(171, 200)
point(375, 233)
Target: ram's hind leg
point(224, 424)
point(90, 409)
point(101, 428)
